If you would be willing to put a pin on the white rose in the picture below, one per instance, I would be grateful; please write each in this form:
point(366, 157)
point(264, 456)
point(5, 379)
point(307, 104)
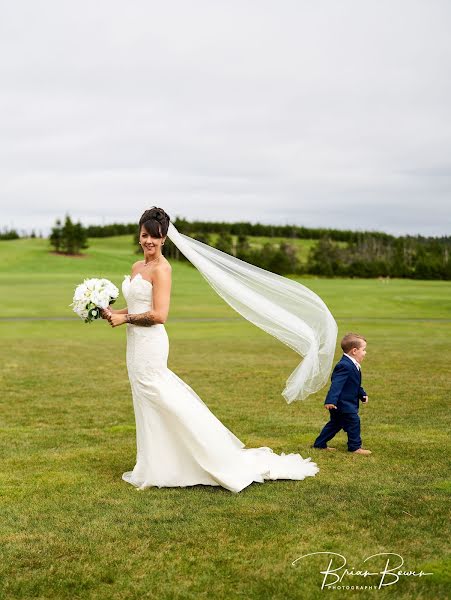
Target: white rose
point(96, 298)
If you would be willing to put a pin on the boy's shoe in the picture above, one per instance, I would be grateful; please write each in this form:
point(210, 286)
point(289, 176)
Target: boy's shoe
point(361, 451)
point(326, 448)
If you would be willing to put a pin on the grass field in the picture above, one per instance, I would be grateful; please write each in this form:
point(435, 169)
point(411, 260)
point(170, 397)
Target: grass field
point(71, 528)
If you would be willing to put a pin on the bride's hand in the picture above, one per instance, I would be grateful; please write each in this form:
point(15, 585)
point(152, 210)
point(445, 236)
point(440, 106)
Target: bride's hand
point(105, 313)
point(116, 320)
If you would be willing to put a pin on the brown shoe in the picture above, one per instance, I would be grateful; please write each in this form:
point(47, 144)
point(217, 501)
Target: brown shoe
point(362, 451)
point(326, 448)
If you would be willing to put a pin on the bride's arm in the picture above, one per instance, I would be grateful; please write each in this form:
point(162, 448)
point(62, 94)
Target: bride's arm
point(161, 295)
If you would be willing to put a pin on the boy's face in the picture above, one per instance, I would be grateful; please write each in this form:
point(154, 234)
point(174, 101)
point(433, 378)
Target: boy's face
point(359, 353)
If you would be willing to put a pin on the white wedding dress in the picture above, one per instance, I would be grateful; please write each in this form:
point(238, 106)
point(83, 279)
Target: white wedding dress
point(179, 440)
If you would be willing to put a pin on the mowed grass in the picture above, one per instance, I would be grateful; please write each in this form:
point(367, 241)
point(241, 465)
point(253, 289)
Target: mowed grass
point(71, 528)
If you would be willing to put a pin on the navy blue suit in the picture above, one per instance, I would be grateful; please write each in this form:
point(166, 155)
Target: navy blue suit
point(345, 393)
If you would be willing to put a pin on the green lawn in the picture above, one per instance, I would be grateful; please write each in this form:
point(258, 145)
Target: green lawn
point(71, 528)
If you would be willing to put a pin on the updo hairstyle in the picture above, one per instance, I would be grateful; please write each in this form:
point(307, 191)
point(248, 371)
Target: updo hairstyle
point(155, 221)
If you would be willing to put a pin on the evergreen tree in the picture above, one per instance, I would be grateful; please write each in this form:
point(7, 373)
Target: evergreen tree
point(56, 236)
point(69, 238)
point(80, 238)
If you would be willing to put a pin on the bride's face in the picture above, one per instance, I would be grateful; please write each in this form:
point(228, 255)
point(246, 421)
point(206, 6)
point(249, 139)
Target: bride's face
point(150, 245)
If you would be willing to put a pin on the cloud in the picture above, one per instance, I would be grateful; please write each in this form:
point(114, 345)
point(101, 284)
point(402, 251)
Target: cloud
point(319, 114)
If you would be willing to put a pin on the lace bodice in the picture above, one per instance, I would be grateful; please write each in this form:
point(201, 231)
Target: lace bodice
point(138, 293)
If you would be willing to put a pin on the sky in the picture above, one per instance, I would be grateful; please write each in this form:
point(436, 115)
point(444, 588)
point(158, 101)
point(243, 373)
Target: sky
point(314, 113)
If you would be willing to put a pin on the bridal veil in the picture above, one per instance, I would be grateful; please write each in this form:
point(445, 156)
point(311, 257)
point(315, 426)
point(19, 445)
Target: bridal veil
point(284, 308)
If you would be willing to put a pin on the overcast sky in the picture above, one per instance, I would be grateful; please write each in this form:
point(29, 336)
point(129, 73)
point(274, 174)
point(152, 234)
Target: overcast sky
point(318, 113)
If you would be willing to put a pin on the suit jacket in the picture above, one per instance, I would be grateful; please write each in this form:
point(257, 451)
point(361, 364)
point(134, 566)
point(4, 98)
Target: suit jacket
point(346, 389)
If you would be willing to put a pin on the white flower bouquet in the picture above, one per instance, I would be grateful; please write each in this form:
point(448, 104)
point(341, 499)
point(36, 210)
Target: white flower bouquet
point(92, 295)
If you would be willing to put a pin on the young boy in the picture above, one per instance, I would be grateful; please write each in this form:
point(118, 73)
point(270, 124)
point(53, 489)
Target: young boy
point(344, 394)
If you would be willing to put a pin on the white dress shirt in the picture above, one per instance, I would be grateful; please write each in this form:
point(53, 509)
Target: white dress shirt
point(353, 360)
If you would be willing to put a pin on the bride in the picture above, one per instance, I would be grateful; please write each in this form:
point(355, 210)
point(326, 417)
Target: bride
point(179, 440)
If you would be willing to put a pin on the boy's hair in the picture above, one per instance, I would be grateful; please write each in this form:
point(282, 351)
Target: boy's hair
point(350, 341)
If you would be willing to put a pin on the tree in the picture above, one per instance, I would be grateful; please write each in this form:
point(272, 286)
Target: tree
point(225, 243)
point(202, 237)
point(324, 258)
point(69, 238)
point(242, 246)
point(79, 237)
point(56, 236)
point(290, 257)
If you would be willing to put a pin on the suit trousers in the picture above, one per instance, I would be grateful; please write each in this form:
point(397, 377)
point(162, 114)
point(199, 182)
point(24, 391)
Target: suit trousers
point(349, 422)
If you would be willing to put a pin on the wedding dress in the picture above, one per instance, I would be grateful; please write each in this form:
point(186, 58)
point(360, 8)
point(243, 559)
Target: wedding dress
point(179, 440)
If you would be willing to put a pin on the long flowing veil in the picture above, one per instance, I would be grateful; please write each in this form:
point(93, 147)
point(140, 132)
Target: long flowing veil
point(284, 308)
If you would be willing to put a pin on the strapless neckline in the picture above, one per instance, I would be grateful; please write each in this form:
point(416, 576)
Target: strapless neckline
point(136, 276)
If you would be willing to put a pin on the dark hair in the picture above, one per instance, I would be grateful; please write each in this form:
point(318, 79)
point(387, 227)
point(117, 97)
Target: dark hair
point(155, 221)
point(352, 340)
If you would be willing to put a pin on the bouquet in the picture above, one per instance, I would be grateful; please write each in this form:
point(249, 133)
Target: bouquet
point(91, 296)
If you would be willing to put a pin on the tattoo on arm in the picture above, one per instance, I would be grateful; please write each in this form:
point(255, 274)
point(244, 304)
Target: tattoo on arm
point(145, 319)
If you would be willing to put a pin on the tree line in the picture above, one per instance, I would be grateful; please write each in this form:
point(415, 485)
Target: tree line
point(14, 234)
point(9, 234)
point(336, 252)
point(278, 258)
point(414, 257)
point(368, 255)
point(193, 228)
